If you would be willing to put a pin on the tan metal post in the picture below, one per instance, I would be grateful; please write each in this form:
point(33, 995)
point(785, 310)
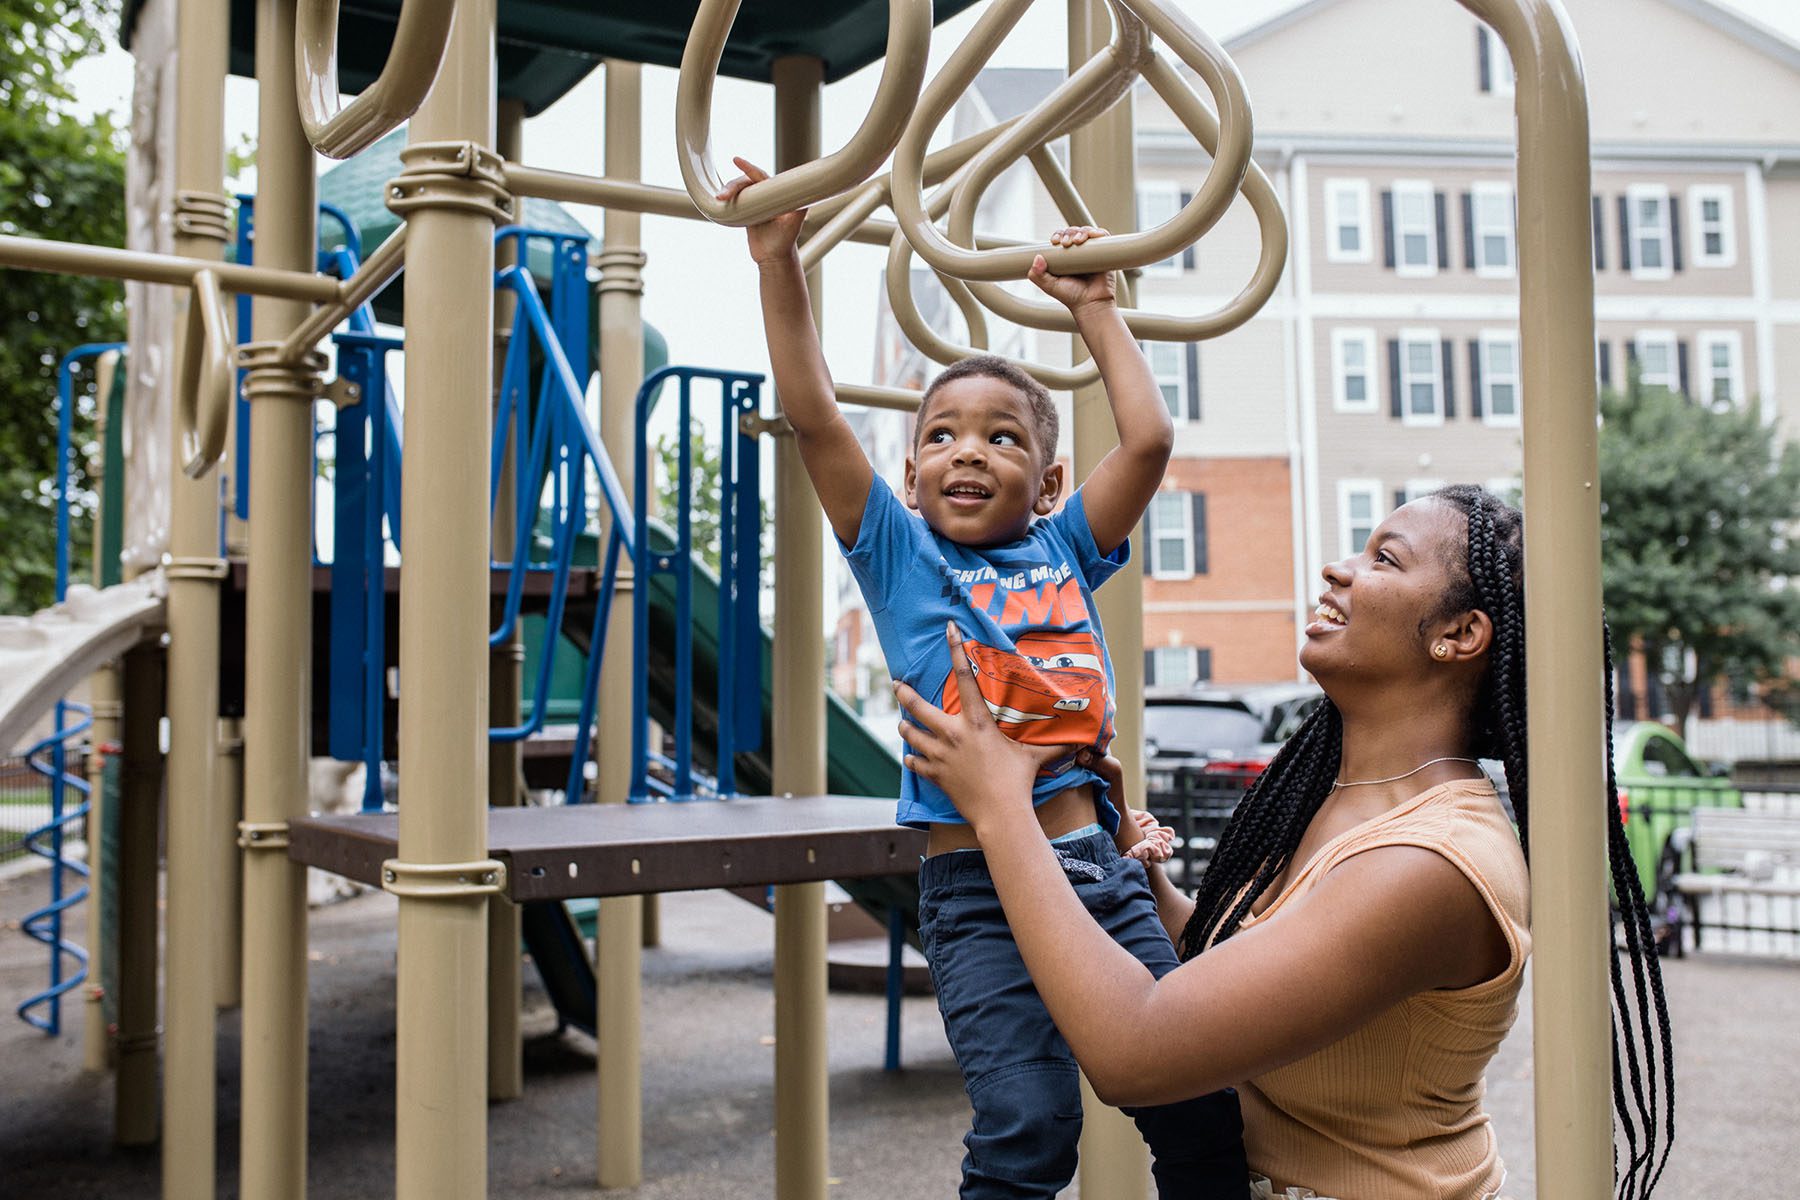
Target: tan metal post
point(1572, 1040)
point(449, 192)
point(103, 698)
point(506, 1066)
point(228, 878)
point(278, 636)
point(802, 1084)
point(194, 572)
point(1114, 1159)
point(619, 930)
point(140, 794)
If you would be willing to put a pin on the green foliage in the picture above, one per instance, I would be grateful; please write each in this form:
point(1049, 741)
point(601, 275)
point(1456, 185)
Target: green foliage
point(1699, 507)
point(705, 472)
point(62, 176)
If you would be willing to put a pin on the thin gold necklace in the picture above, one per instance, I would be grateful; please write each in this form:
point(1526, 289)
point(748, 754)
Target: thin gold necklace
point(1339, 783)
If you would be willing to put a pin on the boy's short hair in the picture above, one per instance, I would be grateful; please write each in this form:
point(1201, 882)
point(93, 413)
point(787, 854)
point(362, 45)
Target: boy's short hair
point(1044, 420)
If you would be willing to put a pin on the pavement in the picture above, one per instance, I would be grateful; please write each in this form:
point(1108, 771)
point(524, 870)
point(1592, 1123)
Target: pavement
point(708, 1072)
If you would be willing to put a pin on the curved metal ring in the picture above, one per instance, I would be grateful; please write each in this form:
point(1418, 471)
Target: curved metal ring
point(203, 403)
point(902, 74)
point(1046, 314)
point(1129, 51)
point(339, 130)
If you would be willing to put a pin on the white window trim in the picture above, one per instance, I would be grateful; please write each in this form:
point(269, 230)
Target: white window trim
point(1371, 401)
point(1665, 337)
point(1487, 338)
point(1500, 69)
point(1634, 195)
point(1415, 488)
point(1727, 256)
point(1169, 267)
point(1179, 378)
point(1401, 267)
point(1510, 268)
point(1359, 189)
point(1436, 416)
point(1157, 533)
point(1734, 340)
point(1191, 654)
point(1377, 510)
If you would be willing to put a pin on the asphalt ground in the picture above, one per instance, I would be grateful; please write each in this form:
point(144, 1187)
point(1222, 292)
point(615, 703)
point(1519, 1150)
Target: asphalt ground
point(708, 1072)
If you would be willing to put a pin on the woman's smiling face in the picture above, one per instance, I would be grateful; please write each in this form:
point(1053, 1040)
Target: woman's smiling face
point(1373, 618)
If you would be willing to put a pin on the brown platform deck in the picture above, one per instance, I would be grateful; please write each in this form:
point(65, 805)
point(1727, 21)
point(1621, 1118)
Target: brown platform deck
point(570, 851)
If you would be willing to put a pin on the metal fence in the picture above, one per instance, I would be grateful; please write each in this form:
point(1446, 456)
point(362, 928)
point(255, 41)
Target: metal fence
point(1196, 802)
point(25, 803)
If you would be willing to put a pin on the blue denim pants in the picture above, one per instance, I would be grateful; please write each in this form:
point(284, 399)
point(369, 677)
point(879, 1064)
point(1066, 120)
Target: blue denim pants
point(1020, 1076)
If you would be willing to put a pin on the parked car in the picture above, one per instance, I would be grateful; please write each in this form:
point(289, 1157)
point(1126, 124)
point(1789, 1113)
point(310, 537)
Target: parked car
point(1660, 785)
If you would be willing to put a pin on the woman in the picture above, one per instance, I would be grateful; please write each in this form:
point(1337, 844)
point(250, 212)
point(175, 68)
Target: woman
point(1354, 953)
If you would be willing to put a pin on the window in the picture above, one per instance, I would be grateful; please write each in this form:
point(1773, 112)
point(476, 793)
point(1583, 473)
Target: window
point(1416, 488)
point(1714, 229)
point(1421, 378)
point(1171, 535)
point(1721, 374)
point(1359, 512)
point(1652, 250)
point(1353, 370)
point(1415, 228)
point(1492, 235)
point(1656, 360)
point(1171, 377)
point(1499, 396)
point(1493, 63)
point(1175, 666)
point(1158, 200)
point(1347, 221)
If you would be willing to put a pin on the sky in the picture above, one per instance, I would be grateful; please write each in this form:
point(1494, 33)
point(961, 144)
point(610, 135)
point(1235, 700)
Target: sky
point(696, 271)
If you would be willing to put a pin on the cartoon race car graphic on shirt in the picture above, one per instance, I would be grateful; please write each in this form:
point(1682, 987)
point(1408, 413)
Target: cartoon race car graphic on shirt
point(1048, 691)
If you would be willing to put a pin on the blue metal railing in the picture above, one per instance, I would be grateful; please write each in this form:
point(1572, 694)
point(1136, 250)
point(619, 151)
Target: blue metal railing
point(45, 924)
point(739, 725)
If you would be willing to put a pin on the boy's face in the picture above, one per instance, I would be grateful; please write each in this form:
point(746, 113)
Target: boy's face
point(977, 472)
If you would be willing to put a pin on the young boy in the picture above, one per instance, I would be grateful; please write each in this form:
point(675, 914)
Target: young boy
point(982, 468)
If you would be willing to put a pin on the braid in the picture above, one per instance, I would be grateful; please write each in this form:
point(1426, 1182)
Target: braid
point(1643, 1058)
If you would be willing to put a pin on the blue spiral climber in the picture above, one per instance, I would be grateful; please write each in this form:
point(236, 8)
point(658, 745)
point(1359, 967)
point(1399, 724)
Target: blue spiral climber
point(44, 1010)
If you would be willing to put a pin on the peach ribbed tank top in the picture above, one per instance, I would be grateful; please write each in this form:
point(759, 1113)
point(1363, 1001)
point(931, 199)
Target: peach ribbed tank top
point(1393, 1112)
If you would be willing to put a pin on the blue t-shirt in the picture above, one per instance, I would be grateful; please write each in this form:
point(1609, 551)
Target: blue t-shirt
point(1026, 611)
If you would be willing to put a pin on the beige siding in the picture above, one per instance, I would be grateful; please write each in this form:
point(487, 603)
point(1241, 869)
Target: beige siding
point(1787, 372)
point(1243, 390)
point(1783, 203)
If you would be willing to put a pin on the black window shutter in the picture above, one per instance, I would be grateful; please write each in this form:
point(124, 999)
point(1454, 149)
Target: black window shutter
point(1202, 664)
point(1149, 539)
point(1199, 501)
point(1193, 381)
point(1187, 256)
point(1599, 236)
point(1605, 364)
point(1387, 228)
point(1399, 497)
point(1449, 367)
point(1485, 67)
point(1475, 401)
point(1395, 400)
point(1443, 228)
point(1706, 701)
point(1674, 233)
point(1468, 215)
point(1627, 695)
point(1149, 668)
point(1624, 233)
point(1653, 693)
point(1681, 367)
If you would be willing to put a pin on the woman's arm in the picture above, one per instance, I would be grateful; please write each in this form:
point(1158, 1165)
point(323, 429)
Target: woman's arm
point(1173, 906)
point(1382, 926)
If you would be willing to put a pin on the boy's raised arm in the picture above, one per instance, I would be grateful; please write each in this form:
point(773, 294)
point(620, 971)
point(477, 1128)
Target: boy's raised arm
point(834, 459)
point(1122, 485)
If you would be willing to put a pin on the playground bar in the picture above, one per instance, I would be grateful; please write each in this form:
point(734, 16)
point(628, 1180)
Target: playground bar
point(413, 61)
point(194, 573)
point(107, 262)
point(370, 277)
point(278, 624)
point(442, 875)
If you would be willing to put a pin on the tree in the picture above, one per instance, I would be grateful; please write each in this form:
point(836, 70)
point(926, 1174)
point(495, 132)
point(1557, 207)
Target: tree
point(1698, 509)
point(62, 176)
point(704, 468)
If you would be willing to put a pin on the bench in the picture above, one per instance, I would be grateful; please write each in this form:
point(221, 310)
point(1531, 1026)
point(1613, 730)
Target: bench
point(1748, 862)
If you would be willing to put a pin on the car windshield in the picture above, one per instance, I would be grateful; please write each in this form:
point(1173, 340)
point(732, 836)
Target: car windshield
point(1200, 730)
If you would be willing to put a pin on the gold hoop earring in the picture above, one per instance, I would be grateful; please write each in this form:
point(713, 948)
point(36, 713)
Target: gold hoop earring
point(1441, 650)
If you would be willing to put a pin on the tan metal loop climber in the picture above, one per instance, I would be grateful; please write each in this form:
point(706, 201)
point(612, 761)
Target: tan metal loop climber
point(338, 130)
point(203, 402)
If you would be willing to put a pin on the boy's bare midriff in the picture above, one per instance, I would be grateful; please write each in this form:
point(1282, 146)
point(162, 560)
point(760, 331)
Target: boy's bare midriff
point(1065, 812)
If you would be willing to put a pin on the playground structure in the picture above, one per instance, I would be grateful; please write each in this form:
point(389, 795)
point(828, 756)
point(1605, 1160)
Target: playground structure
point(455, 866)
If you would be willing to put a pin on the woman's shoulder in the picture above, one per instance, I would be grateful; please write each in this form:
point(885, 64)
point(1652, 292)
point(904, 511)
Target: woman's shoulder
point(1464, 821)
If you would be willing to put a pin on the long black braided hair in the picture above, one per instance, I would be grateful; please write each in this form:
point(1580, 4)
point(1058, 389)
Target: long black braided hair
point(1259, 842)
